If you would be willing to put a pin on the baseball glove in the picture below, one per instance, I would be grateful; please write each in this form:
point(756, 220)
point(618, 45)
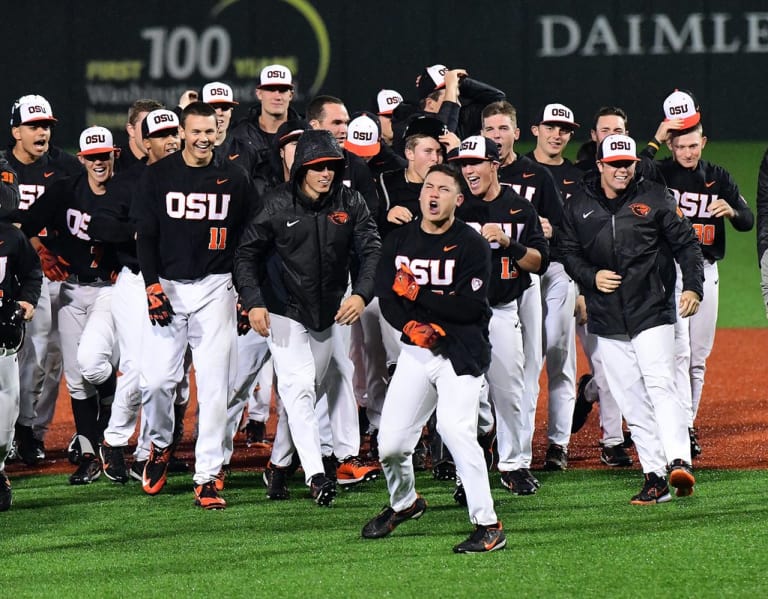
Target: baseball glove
point(423, 334)
point(160, 309)
point(405, 284)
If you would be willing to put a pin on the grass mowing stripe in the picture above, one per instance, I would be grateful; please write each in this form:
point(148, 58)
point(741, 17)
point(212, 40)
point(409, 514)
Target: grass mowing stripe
point(578, 536)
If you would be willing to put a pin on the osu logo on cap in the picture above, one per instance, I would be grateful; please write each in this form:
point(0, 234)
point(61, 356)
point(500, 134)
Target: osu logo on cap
point(362, 135)
point(276, 75)
point(95, 138)
point(468, 144)
point(163, 117)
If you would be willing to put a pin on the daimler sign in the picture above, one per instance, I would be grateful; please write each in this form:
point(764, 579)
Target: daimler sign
point(638, 34)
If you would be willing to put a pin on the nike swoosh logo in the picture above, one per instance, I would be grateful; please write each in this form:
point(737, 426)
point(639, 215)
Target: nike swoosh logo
point(568, 182)
point(46, 175)
point(230, 286)
point(448, 248)
point(515, 211)
point(708, 185)
point(586, 214)
point(233, 156)
point(221, 181)
point(528, 175)
point(291, 223)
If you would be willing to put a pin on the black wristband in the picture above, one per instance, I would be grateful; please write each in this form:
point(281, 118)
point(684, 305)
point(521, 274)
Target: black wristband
point(517, 250)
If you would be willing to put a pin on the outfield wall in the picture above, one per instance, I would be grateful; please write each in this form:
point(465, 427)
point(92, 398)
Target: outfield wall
point(91, 59)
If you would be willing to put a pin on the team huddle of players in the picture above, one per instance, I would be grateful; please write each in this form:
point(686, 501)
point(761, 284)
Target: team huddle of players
point(406, 263)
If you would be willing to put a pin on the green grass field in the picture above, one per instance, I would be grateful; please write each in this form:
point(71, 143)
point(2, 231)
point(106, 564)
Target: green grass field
point(578, 537)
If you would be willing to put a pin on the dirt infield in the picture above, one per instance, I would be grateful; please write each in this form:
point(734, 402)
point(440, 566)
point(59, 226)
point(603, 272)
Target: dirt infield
point(732, 420)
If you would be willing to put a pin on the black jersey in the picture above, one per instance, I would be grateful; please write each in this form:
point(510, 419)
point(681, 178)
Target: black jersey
point(238, 152)
point(189, 219)
point(453, 270)
point(695, 189)
point(535, 183)
point(20, 274)
point(112, 222)
point(566, 175)
point(65, 210)
point(9, 189)
point(35, 178)
point(126, 159)
point(396, 190)
point(518, 219)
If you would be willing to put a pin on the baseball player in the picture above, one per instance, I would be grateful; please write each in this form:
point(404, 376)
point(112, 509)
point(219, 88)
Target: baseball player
point(38, 164)
point(311, 225)
point(610, 120)
point(330, 113)
point(189, 212)
point(259, 400)
point(433, 284)
point(134, 152)
point(511, 226)
point(534, 182)
point(762, 227)
point(85, 270)
point(614, 233)
point(111, 223)
point(20, 283)
point(708, 196)
point(274, 93)
point(553, 129)
point(386, 102)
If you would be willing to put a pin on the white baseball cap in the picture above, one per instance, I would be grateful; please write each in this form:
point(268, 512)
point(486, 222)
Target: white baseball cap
point(95, 140)
point(31, 109)
point(159, 120)
point(617, 148)
point(217, 92)
point(557, 113)
point(431, 79)
point(363, 136)
point(682, 105)
point(387, 100)
point(478, 147)
point(275, 75)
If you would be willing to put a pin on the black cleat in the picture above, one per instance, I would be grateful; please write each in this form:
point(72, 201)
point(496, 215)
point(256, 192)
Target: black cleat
point(556, 458)
point(323, 490)
point(6, 495)
point(276, 480)
point(113, 463)
point(655, 490)
point(519, 482)
point(388, 519)
point(582, 407)
point(87, 471)
point(615, 456)
point(484, 539)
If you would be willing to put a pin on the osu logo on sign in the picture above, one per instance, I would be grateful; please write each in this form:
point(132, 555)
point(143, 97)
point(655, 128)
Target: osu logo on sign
point(682, 109)
point(96, 138)
point(621, 145)
point(218, 91)
point(561, 112)
point(276, 75)
point(162, 118)
point(362, 135)
point(468, 144)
